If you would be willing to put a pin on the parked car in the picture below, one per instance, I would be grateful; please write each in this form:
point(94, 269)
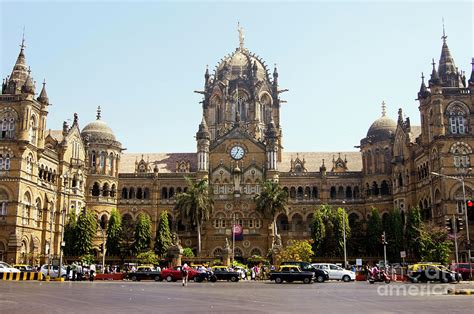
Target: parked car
point(223, 273)
point(147, 272)
point(431, 272)
point(291, 273)
point(336, 272)
point(319, 274)
point(25, 268)
point(7, 268)
point(174, 274)
point(53, 271)
point(463, 269)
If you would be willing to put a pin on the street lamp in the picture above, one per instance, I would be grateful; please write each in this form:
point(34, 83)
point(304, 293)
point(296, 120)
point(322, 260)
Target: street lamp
point(461, 179)
point(344, 231)
point(103, 246)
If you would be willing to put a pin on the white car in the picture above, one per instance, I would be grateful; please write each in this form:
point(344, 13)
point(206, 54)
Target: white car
point(7, 268)
point(53, 271)
point(336, 272)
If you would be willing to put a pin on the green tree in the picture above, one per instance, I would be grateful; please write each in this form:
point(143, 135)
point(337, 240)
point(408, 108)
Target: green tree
point(163, 235)
point(374, 233)
point(394, 235)
point(413, 232)
point(318, 230)
point(187, 252)
point(86, 231)
point(340, 218)
point(195, 205)
point(298, 250)
point(434, 244)
point(114, 234)
point(70, 233)
point(271, 201)
point(142, 234)
point(148, 257)
point(128, 230)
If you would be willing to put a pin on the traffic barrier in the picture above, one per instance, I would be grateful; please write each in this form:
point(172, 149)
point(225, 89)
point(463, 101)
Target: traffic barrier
point(22, 276)
point(461, 291)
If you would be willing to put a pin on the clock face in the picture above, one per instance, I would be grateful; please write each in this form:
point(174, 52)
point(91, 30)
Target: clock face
point(237, 152)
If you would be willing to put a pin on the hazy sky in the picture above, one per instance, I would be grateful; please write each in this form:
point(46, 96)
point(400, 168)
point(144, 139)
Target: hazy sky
point(142, 61)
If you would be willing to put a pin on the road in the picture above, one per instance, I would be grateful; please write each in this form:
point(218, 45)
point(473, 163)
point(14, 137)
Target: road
point(226, 297)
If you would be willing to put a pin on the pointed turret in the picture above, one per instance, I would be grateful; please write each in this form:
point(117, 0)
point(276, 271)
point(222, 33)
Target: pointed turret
point(471, 79)
point(29, 86)
point(203, 132)
point(447, 70)
point(434, 80)
point(43, 97)
point(206, 76)
point(20, 71)
point(275, 76)
point(423, 93)
point(271, 131)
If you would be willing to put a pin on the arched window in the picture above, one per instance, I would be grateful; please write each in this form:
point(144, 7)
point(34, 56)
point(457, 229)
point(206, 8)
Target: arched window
point(307, 193)
point(340, 192)
point(93, 159)
point(110, 164)
point(297, 223)
point(124, 193)
point(74, 181)
point(113, 190)
point(105, 189)
point(384, 188)
point(217, 252)
point(299, 193)
point(32, 130)
point(314, 192)
point(96, 189)
point(164, 193)
point(103, 221)
point(3, 203)
point(8, 125)
point(256, 252)
point(238, 252)
point(29, 164)
point(461, 155)
point(292, 192)
point(146, 193)
point(219, 221)
point(139, 193)
point(348, 192)
point(457, 121)
point(5, 161)
point(38, 211)
point(282, 223)
point(26, 208)
point(332, 192)
point(102, 161)
point(309, 222)
point(375, 188)
point(171, 192)
point(131, 193)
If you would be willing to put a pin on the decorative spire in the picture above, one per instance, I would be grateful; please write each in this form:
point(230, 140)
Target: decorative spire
point(20, 70)
point(384, 108)
point(76, 118)
point(28, 87)
point(447, 70)
point(43, 97)
point(203, 131)
point(99, 111)
point(275, 75)
point(400, 116)
point(241, 36)
point(423, 90)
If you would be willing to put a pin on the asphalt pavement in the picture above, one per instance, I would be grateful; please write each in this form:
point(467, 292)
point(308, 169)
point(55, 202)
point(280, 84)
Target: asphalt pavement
point(227, 297)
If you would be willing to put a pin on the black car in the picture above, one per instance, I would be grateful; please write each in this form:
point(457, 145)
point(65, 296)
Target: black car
point(223, 273)
point(144, 273)
point(291, 273)
point(426, 273)
point(319, 275)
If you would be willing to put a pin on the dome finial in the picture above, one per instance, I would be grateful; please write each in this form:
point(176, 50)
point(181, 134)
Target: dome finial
point(384, 107)
point(22, 46)
point(99, 111)
point(241, 36)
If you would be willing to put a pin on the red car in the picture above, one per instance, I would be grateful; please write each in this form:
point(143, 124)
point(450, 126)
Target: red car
point(174, 274)
point(463, 269)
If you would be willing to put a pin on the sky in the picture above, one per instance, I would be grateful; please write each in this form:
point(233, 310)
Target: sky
point(141, 62)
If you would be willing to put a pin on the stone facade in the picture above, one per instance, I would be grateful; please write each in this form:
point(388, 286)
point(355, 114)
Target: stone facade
point(239, 144)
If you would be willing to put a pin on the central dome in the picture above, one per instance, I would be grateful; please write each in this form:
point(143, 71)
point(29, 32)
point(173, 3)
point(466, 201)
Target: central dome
point(382, 128)
point(239, 63)
point(98, 130)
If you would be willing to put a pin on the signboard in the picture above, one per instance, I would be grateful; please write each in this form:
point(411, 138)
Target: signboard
point(358, 261)
point(403, 254)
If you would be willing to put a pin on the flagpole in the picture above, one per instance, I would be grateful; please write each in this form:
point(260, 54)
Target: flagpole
point(233, 240)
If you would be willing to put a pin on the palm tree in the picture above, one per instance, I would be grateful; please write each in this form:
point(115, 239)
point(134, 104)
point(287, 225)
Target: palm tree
point(195, 204)
point(271, 200)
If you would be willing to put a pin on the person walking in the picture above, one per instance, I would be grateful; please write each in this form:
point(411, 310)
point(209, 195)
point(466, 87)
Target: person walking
point(91, 272)
point(184, 273)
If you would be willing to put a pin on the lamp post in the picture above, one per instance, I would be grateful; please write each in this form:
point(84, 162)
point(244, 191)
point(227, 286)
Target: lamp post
point(51, 219)
point(461, 179)
point(63, 218)
point(103, 246)
point(344, 231)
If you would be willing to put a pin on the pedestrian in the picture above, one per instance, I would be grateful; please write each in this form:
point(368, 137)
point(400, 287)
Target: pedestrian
point(184, 273)
point(91, 272)
point(68, 272)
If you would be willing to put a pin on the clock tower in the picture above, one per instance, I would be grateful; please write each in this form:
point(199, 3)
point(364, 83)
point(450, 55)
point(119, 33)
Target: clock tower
point(239, 144)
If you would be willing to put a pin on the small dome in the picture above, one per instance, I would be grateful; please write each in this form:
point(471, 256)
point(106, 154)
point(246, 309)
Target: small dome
point(98, 130)
point(382, 128)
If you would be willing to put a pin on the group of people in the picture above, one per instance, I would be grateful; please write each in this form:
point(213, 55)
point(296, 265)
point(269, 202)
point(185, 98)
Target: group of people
point(78, 272)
